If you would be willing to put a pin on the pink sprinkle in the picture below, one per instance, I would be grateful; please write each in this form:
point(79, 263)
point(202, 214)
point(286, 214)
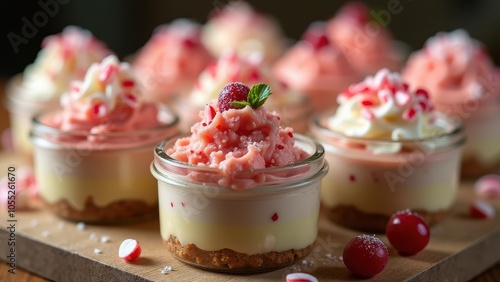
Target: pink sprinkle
point(488, 186)
point(130, 98)
point(209, 113)
point(367, 103)
point(423, 93)
point(275, 217)
point(367, 114)
point(423, 105)
point(352, 178)
point(402, 98)
point(405, 86)
point(410, 114)
point(183, 204)
point(128, 83)
point(74, 86)
point(171, 204)
point(106, 74)
point(190, 42)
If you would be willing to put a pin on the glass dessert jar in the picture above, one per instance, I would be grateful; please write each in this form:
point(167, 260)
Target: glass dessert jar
point(21, 110)
point(269, 224)
point(368, 184)
point(98, 177)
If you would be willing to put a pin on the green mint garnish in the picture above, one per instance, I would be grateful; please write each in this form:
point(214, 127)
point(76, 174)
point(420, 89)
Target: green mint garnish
point(256, 97)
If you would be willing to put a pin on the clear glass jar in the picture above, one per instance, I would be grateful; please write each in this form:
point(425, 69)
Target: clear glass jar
point(482, 128)
point(270, 224)
point(366, 188)
point(98, 178)
point(21, 110)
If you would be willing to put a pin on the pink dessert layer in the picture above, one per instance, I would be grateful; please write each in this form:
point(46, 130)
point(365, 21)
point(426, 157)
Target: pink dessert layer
point(236, 140)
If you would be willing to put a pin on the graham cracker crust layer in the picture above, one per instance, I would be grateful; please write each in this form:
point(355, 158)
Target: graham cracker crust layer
point(351, 217)
point(227, 260)
point(115, 212)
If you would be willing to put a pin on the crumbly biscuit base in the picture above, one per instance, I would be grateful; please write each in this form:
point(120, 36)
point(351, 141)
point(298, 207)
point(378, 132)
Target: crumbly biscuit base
point(227, 260)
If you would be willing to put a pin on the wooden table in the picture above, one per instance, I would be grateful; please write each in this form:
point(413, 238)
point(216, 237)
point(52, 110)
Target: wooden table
point(491, 274)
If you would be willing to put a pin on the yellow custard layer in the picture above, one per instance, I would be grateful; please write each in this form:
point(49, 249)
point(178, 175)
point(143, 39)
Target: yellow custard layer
point(105, 176)
point(249, 239)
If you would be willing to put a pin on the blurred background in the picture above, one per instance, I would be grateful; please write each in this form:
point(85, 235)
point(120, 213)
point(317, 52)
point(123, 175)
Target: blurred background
point(125, 25)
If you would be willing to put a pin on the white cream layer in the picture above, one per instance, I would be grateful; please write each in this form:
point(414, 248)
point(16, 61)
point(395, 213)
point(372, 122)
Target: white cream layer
point(417, 181)
point(107, 176)
point(251, 225)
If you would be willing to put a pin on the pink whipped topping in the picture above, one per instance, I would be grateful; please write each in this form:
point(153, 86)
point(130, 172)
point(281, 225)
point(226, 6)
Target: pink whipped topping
point(22, 194)
point(316, 67)
point(366, 44)
point(454, 68)
point(238, 26)
point(107, 100)
point(63, 58)
point(171, 60)
point(236, 140)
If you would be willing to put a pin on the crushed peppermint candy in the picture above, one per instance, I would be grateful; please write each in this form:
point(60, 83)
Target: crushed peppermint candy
point(166, 270)
point(81, 226)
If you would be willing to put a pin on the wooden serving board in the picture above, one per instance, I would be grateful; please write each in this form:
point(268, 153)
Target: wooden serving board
point(460, 248)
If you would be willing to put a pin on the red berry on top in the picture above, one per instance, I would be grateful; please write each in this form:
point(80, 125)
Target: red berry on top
point(407, 232)
point(233, 91)
point(316, 36)
point(365, 256)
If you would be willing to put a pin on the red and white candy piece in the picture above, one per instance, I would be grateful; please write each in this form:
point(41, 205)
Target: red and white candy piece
point(481, 209)
point(129, 250)
point(300, 277)
point(488, 186)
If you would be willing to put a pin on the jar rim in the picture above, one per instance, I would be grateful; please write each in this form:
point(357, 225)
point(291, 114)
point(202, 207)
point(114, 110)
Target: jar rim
point(164, 166)
point(168, 127)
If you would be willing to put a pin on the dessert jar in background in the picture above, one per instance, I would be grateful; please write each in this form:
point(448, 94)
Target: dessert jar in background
point(272, 223)
point(293, 107)
point(63, 57)
point(391, 151)
point(462, 81)
point(92, 157)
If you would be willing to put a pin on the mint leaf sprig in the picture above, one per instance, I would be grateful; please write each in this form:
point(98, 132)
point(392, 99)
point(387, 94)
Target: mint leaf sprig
point(257, 96)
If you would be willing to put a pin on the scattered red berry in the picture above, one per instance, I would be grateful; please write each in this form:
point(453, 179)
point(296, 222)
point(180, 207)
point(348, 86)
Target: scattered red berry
point(129, 250)
point(407, 232)
point(481, 209)
point(316, 35)
point(233, 91)
point(365, 256)
point(300, 277)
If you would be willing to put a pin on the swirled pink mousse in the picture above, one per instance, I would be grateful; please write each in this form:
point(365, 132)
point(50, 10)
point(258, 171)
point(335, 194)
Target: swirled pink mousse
point(237, 140)
point(171, 60)
point(454, 68)
point(106, 101)
point(366, 44)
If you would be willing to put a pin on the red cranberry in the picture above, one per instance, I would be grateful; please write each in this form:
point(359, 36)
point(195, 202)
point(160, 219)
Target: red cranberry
point(365, 256)
point(407, 232)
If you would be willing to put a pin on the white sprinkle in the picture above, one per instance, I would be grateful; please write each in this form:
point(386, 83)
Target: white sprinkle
point(34, 223)
point(45, 233)
point(341, 258)
point(329, 256)
point(81, 226)
point(166, 270)
point(93, 236)
point(97, 251)
point(104, 239)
